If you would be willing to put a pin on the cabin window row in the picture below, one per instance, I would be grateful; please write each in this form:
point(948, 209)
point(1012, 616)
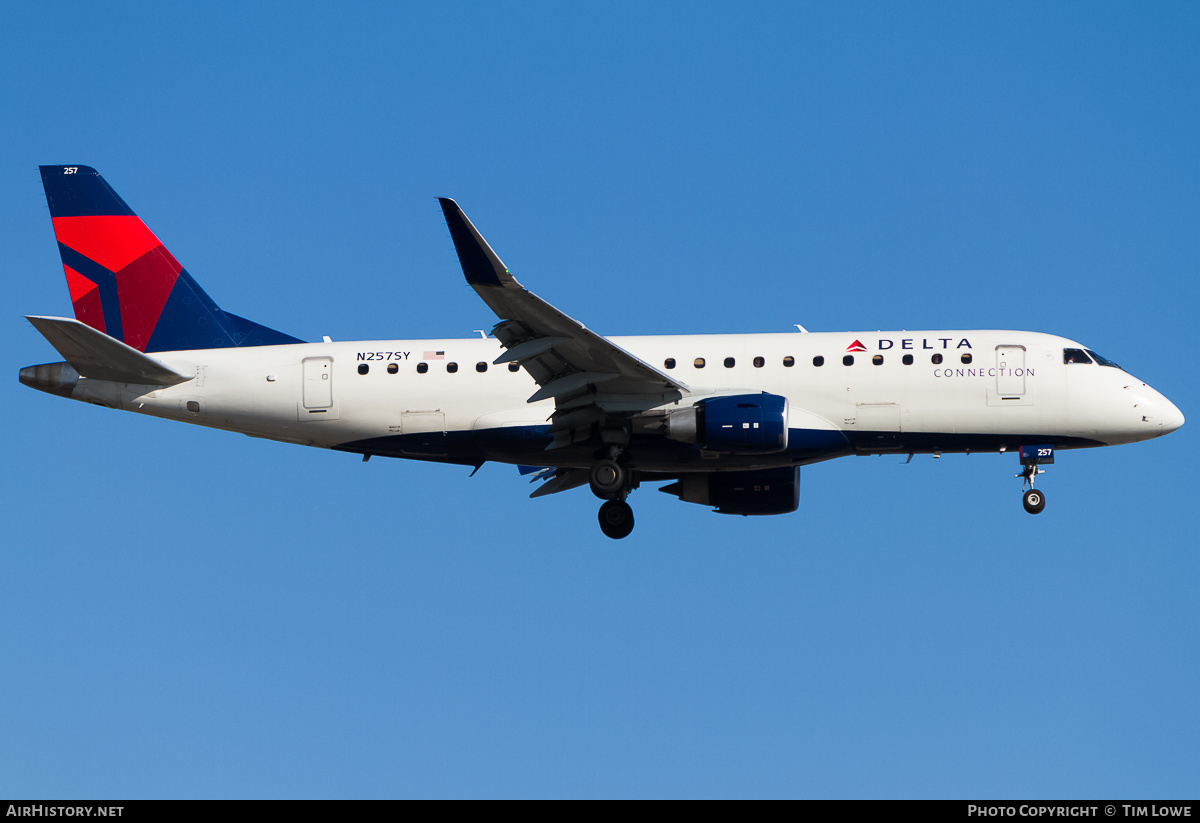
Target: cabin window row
point(699, 363)
point(819, 360)
point(423, 367)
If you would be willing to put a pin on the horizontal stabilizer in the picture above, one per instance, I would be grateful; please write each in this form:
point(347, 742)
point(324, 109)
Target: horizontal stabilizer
point(94, 354)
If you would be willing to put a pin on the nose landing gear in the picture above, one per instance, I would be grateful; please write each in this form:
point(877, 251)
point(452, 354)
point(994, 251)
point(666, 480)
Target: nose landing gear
point(1031, 456)
point(1034, 501)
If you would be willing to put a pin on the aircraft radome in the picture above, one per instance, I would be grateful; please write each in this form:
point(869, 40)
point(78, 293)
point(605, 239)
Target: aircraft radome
point(726, 420)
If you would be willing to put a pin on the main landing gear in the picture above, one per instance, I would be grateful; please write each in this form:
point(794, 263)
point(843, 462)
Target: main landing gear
point(612, 482)
point(616, 519)
point(1031, 456)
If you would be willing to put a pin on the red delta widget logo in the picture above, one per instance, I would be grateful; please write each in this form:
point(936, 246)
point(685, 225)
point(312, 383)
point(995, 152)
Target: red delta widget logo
point(910, 343)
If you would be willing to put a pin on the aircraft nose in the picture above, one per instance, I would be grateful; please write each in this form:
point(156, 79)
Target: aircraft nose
point(1172, 417)
point(1155, 414)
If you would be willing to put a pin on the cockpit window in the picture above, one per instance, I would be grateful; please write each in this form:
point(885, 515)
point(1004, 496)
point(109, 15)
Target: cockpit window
point(1075, 356)
point(1103, 361)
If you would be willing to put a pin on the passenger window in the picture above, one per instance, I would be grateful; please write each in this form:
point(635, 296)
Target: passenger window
point(393, 368)
point(452, 367)
point(729, 362)
point(818, 360)
point(906, 360)
point(759, 362)
point(669, 363)
point(1075, 356)
point(848, 360)
point(966, 358)
point(363, 368)
point(936, 359)
point(481, 367)
point(789, 361)
point(422, 368)
point(699, 363)
point(514, 367)
point(877, 360)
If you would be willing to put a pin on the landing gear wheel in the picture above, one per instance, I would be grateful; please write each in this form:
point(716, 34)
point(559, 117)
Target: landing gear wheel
point(616, 519)
point(1034, 501)
point(608, 480)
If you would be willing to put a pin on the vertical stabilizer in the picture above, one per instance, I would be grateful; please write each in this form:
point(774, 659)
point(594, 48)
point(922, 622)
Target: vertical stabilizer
point(125, 283)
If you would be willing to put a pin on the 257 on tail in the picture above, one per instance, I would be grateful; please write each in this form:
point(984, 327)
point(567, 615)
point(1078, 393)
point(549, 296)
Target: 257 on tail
point(725, 420)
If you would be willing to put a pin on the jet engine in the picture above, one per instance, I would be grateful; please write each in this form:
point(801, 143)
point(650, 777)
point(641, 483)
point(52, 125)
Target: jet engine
point(739, 424)
point(766, 491)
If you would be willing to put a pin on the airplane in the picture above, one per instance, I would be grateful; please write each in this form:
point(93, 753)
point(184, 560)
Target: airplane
point(726, 421)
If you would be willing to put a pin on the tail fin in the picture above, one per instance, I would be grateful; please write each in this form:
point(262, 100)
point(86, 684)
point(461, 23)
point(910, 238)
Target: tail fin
point(125, 283)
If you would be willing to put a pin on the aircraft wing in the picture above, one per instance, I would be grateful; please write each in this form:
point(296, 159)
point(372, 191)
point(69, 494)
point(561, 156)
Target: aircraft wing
point(589, 376)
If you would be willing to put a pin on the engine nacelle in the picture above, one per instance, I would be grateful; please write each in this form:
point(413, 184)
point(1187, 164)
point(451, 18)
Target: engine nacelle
point(740, 424)
point(767, 491)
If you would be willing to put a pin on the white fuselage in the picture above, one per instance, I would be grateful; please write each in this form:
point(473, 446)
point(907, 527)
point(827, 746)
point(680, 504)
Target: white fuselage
point(1016, 389)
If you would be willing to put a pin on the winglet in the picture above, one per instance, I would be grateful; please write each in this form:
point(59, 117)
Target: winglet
point(94, 354)
point(564, 358)
point(480, 264)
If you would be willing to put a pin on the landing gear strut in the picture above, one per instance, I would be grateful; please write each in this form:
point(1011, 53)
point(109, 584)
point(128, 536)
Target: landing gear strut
point(612, 482)
point(1033, 500)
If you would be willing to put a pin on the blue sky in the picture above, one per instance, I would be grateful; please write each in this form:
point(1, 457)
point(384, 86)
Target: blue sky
point(192, 613)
